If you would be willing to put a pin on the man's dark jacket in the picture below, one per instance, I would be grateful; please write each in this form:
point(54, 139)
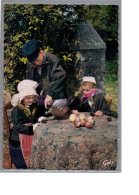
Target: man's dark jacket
point(52, 78)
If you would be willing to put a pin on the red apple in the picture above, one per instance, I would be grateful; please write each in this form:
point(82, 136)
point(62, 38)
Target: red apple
point(83, 123)
point(88, 125)
point(90, 120)
point(77, 122)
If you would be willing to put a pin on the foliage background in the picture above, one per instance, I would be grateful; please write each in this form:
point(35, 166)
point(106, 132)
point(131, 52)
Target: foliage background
point(47, 23)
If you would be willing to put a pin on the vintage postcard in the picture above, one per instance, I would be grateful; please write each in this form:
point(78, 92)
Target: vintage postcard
point(60, 74)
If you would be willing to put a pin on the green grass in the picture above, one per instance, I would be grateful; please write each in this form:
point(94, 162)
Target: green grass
point(112, 92)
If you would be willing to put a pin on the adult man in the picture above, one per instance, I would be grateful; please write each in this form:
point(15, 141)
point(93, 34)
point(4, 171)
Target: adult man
point(46, 70)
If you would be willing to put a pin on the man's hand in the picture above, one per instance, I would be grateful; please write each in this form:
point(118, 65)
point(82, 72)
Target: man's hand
point(47, 101)
point(98, 113)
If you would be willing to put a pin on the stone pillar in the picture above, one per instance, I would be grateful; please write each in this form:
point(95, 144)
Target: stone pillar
point(90, 50)
point(88, 56)
point(92, 63)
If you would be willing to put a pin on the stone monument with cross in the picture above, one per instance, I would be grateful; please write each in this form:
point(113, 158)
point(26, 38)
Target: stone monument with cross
point(90, 55)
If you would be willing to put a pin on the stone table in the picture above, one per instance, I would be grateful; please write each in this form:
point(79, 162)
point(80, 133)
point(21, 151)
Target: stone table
point(58, 145)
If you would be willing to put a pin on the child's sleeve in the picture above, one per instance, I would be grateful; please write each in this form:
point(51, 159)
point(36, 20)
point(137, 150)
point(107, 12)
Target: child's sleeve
point(75, 104)
point(101, 104)
point(105, 108)
point(19, 124)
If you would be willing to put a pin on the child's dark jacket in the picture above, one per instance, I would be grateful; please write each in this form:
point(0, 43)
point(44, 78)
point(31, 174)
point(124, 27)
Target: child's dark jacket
point(93, 104)
point(22, 115)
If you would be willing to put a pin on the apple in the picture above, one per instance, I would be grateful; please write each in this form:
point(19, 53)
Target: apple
point(88, 125)
point(72, 118)
point(83, 123)
point(77, 124)
point(90, 120)
point(82, 116)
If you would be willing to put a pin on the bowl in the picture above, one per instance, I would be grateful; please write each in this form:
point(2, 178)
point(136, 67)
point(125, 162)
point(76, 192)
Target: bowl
point(60, 108)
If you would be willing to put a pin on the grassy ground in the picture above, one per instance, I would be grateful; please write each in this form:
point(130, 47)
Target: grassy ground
point(112, 92)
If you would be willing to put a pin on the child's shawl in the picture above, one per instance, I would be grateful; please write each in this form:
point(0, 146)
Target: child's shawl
point(90, 94)
point(27, 111)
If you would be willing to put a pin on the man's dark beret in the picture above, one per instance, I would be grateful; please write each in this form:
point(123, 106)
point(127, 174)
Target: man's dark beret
point(31, 50)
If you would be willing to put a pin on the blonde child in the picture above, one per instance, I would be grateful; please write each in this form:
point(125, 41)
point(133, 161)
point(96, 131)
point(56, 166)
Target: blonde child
point(90, 99)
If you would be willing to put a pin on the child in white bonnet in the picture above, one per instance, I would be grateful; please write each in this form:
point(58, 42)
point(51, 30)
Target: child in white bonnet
point(25, 116)
point(90, 99)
